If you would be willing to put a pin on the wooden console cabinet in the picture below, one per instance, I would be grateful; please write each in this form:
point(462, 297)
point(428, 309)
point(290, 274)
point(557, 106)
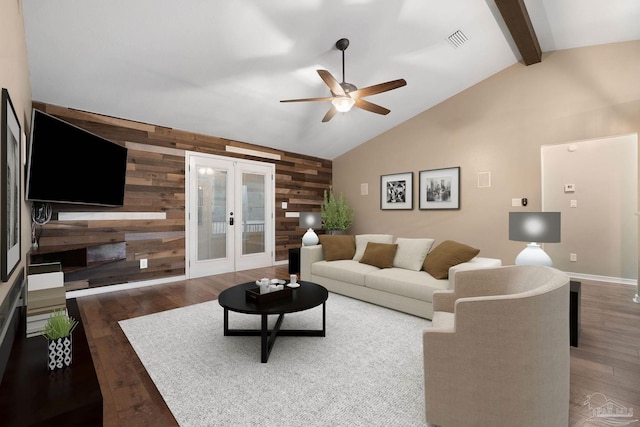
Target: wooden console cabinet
point(73, 257)
point(77, 260)
point(30, 395)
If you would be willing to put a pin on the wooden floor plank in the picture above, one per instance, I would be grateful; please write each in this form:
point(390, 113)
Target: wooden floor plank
point(607, 360)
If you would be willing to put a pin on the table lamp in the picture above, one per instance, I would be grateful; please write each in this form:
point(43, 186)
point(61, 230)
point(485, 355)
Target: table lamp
point(309, 220)
point(534, 227)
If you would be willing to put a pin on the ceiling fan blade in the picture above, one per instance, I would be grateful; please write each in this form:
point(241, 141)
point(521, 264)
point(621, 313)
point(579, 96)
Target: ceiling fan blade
point(331, 81)
point(370, 106)
point(306, 99)
point(332, 112)
point(379, 88)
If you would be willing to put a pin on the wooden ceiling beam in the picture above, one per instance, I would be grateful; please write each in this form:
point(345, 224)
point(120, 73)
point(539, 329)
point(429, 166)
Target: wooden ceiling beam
point(515, 15)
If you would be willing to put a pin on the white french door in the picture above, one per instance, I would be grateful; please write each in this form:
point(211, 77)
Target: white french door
point(229, 216)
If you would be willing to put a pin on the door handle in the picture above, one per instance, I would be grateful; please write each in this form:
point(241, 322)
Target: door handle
point(231, 221)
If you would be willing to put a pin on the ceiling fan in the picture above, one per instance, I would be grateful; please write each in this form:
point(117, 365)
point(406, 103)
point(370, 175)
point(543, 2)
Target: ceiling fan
point(346, 95)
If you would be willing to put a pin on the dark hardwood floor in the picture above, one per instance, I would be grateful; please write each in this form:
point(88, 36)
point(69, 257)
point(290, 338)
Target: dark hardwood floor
point(607, 360)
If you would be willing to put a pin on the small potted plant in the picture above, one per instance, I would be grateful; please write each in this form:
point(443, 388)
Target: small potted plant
point(58, 331)
point(336, 213)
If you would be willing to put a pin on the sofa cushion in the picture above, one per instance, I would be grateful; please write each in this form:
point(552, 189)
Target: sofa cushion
point(363, 239)
point(411, 253)
point(338, 246)
point(379, 254)
point(446, 255)
point(343, 270)
point(418, 285)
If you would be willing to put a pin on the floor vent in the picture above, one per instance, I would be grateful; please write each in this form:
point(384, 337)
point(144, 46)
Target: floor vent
point(457, 39)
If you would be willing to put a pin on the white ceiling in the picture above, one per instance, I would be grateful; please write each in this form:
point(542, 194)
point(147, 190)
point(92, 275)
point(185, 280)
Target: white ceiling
point(220, 67)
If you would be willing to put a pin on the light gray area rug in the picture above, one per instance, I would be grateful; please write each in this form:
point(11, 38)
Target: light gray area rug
point(367, 371)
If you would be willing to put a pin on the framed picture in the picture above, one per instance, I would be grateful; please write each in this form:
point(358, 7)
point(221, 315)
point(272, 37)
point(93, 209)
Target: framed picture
point(396, 191)
point(440, 188)
point(11, 196)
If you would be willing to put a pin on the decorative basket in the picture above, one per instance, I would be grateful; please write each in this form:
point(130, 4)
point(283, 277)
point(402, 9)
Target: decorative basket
point(254, 296)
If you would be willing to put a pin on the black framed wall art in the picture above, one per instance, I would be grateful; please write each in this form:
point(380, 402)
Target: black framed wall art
point(440, 188)
point(396, 191)
point(11, 187)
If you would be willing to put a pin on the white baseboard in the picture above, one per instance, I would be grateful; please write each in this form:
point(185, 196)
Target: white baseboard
point(595, 278)
point(123, 286)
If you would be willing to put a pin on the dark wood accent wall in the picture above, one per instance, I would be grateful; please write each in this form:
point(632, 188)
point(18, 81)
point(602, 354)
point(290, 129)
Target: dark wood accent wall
point(155, 182)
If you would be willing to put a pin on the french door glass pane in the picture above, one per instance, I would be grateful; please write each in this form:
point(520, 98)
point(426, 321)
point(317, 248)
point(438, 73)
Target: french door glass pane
point(253, 213)
point(212, 213)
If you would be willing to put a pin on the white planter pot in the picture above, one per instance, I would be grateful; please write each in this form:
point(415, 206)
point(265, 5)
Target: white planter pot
point(60, 353)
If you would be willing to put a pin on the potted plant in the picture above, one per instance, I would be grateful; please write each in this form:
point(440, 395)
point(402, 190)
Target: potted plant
point(335, 212)
point(58, 331)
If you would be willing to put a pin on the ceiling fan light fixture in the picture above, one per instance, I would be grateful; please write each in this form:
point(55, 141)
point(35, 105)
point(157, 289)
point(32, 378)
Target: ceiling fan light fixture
point(343, 103)
point(346, 95)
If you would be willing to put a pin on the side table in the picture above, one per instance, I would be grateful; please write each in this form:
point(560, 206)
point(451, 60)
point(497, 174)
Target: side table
point(574, 312)
point(294, 260)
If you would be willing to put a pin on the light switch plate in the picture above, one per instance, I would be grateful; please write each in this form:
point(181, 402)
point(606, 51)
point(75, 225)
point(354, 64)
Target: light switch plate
point(516, 202)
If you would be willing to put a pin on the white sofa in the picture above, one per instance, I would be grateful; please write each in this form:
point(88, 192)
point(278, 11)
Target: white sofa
point(402, 289)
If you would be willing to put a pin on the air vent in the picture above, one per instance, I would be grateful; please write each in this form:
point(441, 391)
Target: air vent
point(457, 39)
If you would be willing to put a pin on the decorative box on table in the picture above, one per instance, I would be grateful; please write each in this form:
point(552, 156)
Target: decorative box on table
point(254, 295)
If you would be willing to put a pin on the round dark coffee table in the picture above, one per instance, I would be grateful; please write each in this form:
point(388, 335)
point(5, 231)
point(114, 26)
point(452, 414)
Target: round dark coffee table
point(307, 295)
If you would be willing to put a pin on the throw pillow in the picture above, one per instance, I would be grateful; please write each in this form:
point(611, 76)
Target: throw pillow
point(446, 255)
point(363, 239)
point(335, 247)
point(411, 253)
point(379, 254)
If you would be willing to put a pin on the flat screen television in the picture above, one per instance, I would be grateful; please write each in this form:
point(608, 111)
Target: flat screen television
point(68, 164)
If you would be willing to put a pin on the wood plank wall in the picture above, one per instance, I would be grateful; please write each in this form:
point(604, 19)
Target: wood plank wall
point(155, 182)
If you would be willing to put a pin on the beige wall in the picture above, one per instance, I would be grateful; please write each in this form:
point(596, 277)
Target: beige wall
point(14, 76)
point(604, 172)
point(499, 126)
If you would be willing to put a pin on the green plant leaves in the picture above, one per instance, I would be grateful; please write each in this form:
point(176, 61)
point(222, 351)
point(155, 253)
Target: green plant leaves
point(59, 325)
point(335, 212)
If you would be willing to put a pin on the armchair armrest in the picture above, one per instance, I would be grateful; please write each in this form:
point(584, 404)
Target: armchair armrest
point(309, 255)
point(473, 283)
point(474, 264)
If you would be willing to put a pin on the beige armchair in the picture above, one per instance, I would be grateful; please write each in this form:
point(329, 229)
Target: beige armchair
point(498, 351)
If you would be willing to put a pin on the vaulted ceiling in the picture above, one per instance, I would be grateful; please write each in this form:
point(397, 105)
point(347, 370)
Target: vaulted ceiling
point(221, 67)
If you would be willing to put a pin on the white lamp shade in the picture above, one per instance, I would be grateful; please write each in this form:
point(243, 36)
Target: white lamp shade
point(310, 238)
point(310, 220)
point(533, 254)
point(541, 227)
